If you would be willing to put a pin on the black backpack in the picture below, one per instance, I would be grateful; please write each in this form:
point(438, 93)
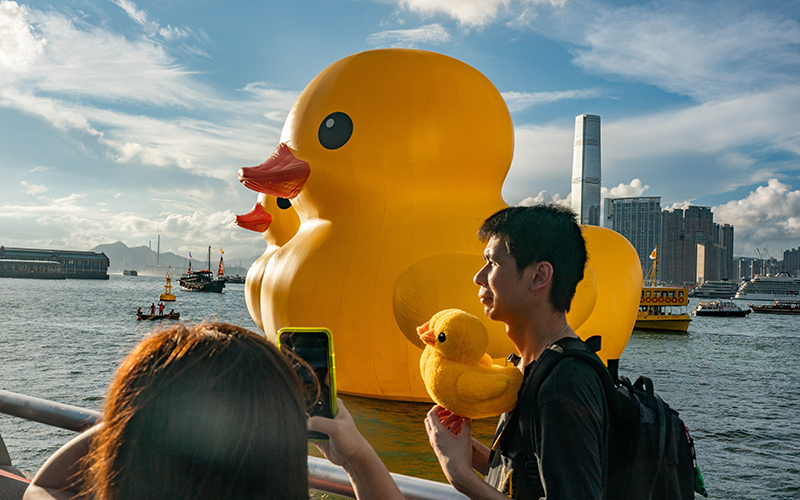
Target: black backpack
point(651, 455)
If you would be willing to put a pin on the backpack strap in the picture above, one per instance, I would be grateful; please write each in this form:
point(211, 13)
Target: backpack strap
point(539, 372)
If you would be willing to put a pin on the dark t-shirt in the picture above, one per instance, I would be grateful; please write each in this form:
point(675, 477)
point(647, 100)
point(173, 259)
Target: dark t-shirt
point(568, 425)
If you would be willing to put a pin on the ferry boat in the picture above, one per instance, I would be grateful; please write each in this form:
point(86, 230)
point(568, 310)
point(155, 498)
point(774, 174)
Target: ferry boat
point(130, 272)
point(715, 289)
point(779, 307)
point(780, 287)
point(202, 280)
point(720, 308)
point(662, 307)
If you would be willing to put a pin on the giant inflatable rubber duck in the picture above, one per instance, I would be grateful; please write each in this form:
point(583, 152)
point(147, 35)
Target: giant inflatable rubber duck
point(390, 159)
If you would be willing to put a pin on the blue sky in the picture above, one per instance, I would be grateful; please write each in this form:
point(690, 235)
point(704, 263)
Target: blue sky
point(123, 119)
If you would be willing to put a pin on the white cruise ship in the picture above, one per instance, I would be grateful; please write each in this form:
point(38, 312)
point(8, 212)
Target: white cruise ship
point(715, 289)
point(780, 287)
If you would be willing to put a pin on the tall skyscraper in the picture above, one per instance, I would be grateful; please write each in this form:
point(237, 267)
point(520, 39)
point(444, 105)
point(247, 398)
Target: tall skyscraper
point(639, 220)
point(586, 169)
point(694, 248)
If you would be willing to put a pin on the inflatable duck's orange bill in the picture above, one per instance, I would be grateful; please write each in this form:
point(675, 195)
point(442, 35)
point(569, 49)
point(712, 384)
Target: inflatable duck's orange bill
point(282, 175)
point(255, 220)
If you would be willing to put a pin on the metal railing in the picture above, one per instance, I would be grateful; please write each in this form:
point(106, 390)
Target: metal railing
point(322, 475)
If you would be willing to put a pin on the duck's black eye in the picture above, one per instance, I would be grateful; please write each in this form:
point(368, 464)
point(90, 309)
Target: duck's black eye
point(283, 203)
point(442, 337)
point(335, 130)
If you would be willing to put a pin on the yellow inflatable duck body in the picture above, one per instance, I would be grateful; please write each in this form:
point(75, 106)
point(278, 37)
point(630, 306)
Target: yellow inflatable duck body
point(278, 222)
point(390, 160)
point(458, 374)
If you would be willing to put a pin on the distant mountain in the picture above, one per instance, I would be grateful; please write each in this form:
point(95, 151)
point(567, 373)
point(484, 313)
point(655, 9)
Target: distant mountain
point(148, 262)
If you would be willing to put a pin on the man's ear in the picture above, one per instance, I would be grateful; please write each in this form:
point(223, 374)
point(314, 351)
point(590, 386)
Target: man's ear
point(543, 274)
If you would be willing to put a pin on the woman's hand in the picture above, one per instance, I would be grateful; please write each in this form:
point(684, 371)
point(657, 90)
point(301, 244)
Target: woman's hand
point(345, 443)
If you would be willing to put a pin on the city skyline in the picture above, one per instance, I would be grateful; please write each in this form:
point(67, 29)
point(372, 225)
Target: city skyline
point(121, 120)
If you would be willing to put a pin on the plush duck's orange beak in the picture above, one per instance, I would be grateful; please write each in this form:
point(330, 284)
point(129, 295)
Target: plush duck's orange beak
point(426, 334)
point(282, 175)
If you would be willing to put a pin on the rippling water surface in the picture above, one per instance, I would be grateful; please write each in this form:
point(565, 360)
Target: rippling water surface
point(735, 381)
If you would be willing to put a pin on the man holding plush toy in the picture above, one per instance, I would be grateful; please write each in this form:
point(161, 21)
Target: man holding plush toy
point(535, 257)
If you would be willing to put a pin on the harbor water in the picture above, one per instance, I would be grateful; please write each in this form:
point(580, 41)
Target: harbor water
point(735, 381)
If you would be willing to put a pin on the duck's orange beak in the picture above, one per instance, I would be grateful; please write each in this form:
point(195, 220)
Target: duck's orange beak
point(282, 175)
point(426, 334)
point(255, 220)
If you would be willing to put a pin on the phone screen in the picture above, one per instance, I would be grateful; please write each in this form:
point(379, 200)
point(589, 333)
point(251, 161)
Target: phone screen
point(314, 346)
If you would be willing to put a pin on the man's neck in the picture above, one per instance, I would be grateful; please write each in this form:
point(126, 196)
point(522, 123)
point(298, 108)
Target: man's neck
point(536, 332)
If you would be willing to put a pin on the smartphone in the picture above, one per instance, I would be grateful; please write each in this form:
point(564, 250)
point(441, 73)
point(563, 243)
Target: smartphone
point(315, 347)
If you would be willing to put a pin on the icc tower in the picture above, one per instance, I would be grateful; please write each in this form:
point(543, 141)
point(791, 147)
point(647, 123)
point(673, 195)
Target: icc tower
point(586, 169)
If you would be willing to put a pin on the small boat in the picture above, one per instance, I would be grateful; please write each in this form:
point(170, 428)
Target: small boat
point(130, 272)
point(153, 317)
point(720, 308)
point(234, 279)
point(779, 307)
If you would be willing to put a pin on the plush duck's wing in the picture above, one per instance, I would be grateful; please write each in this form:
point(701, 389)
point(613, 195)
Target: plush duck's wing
point(476, 386)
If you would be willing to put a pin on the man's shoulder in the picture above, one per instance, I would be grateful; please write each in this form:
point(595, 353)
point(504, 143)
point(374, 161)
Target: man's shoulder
point(571, 378)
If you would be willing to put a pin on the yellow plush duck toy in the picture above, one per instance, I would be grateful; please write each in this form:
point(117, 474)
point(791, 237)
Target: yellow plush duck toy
point(458, 373)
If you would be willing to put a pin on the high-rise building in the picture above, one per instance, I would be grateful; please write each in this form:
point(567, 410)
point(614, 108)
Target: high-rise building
point(695, 249)
point(586, 169)
point(791, 261)
point(639, 220)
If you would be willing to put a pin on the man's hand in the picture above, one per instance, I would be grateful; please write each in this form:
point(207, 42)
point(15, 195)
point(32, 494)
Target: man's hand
point(450, 439)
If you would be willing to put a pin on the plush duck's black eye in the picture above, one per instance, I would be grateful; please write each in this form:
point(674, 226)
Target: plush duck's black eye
point(442, 337)
point(335, 130)
point(283, 203)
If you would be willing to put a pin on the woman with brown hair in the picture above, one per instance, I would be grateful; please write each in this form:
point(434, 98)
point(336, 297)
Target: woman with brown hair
point(210, 411)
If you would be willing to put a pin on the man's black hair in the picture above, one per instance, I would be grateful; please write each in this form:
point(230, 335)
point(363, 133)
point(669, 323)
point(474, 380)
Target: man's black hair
point(542, 233)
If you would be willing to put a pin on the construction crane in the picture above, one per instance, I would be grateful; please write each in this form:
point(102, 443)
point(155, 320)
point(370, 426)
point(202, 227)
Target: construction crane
point(763, 254)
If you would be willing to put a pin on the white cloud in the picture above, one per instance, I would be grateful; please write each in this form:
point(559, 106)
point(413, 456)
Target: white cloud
point(518, 101)
point(430, 34)
point(19, 46)
point(84, 72)
point(544, 198)
point(542, 161)
point(39, 169)
point(706, 51)
point(152, 28)
point(33, 189)
point(476, 13)
point(634, 189)
point(768, 216)
point(75, 222)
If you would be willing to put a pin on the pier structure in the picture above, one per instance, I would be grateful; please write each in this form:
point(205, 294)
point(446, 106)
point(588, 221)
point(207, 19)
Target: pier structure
point(52, 264)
